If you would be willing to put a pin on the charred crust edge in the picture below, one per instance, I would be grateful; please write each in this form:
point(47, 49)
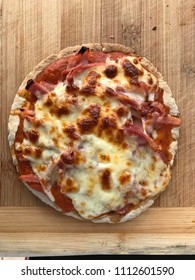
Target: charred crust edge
point(83, 49)
point(29, 83)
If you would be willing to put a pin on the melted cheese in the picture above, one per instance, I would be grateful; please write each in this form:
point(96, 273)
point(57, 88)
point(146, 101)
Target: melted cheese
point(131, 172)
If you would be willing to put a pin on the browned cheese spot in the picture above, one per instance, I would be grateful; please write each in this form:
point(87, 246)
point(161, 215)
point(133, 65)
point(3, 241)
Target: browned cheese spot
point(109, 122)
point(48, 102)
point(59, 111)
point(131, 70)
point(38, 152)
point(121, 111)
point(87, 124)
point(92, 78)
point(111, 71)
point(150, 81)
point(124, 178)
point(55, 140)
point(104, 157)
point(143, 183)
point(69, 156)
point(124, 145)
point(134, 82)
point(88, 90)
point(105, 179)
point(120, 136)
point(135, 61)
point(71, 86)
point(143, 192)
point(71, 132)
point(152, 166)
point(70, 185)
point(154, 158)
point(129, 163)
point(94, 110)
point(27, 150)
point(33, 135)
point(42, 167)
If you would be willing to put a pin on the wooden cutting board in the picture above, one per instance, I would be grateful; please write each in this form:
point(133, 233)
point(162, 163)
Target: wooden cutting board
point(164, 32)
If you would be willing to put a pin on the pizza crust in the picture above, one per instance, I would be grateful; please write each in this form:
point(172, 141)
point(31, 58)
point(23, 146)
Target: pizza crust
point(105, 47)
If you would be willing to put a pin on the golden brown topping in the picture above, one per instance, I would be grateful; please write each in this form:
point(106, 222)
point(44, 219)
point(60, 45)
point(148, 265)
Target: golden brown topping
point(111, 71)
point(42, 167)
point(124, 178)
point(108, 122)
point(32, 151)
point(131, 70)
point(27, 150)
point(88, 90)
point(38, 152)
point(71, 86)
point(70, 185)
point(105, 179)
point(152, 166)
point(48, 102)
point(120, 136)
point(129, 163)
point(121, 111)
point(71, 131)
point(135, 61)
point(63, 110)
point(69, 156)
point(143, 183)
point(150, 81)
point(143, 192)
point(87, 124)
point(104, 157)
point(92, 77)
point(154, 158)
point(55, 140)
point(33, 135)
point(94, 110)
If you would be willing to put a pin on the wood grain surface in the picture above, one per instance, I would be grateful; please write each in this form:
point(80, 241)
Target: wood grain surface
point(164, 32)
point(30, 231)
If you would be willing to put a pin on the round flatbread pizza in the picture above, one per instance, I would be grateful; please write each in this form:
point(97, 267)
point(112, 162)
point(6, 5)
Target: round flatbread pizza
point(93, 132)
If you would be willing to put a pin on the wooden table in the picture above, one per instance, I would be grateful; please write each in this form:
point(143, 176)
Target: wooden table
point(164, 32)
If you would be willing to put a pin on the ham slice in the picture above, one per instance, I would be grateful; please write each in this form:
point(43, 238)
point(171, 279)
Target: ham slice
point(131, 129)
point(159, 121)
point(30, 178)
point(35, 87)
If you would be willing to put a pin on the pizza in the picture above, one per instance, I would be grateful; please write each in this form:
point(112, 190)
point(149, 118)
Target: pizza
point(93, 132)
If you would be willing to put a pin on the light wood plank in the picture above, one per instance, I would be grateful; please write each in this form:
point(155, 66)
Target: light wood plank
point(47, 220)
point(52, 244)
